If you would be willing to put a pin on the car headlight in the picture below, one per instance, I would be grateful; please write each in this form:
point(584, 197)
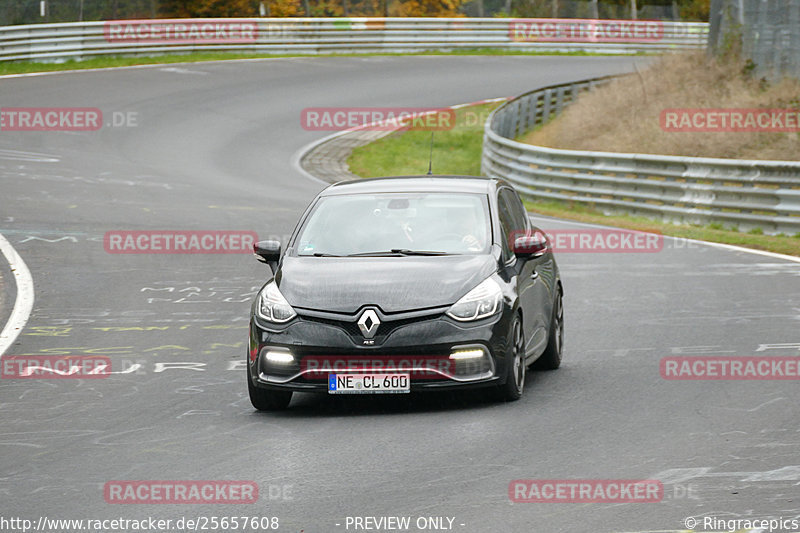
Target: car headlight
point(480, 302)
point(272, 306)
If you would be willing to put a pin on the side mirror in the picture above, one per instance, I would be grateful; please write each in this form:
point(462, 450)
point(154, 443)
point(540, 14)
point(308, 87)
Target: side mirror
point(527, 246)
point(268, 252)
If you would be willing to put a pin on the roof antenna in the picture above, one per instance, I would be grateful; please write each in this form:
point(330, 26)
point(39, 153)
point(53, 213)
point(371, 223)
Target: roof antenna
point(430, 158)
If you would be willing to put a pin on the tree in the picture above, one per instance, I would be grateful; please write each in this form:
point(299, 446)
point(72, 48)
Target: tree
point(207, 8)
point(425, 8)
point(694, 9)
point(284, 8)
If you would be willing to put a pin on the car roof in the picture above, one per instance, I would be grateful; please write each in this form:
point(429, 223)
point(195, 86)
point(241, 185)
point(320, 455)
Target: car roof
point(434, 183)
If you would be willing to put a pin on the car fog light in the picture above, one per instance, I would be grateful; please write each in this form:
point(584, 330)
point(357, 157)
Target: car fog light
point(474, 353)
point(283, 358)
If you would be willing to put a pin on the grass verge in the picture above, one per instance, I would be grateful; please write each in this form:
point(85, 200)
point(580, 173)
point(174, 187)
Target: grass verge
point(455, 151)
point(782, 244)
point(458, 151)
point(28, 67)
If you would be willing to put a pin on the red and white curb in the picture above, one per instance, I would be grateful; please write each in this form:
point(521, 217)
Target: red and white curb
point(298, 156)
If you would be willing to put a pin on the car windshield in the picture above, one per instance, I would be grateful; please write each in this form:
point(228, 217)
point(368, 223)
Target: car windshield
point(396, 224)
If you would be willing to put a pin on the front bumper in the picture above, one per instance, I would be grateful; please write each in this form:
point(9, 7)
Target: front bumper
point(435, 350)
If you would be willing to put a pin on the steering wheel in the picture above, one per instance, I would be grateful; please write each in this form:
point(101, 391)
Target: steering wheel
point(452, 236)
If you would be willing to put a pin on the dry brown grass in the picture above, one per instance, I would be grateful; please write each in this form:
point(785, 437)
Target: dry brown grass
point(624, 115)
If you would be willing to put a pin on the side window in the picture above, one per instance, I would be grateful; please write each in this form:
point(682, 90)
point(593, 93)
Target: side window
point(519, 217)
point(506, 223)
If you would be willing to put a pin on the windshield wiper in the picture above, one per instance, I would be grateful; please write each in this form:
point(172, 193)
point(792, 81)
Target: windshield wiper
point(322, 254)
point(397, 251)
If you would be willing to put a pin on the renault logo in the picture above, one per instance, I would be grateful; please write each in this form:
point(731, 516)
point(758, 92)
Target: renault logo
point(368, 323)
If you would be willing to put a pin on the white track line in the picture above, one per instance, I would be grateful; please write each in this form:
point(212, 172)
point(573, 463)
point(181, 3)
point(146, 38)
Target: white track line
point(24, 302)
point(743, 249)
point(730, 247)
point(297, 157)
point(148, 65)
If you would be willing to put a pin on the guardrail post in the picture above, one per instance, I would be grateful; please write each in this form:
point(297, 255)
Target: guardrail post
point(546, 108)
point(559, 100)
point(533, 109)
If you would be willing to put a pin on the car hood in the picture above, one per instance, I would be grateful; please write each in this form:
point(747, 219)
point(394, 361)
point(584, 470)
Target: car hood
point(393, 284)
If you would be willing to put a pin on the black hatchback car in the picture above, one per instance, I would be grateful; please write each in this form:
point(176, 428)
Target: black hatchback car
point(392, 285)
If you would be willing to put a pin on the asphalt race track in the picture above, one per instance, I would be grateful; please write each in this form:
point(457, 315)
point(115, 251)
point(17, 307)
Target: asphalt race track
point(211, 149)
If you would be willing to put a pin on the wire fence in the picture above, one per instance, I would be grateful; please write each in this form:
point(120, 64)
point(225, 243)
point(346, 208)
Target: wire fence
point(35, 11)
point(768, 30)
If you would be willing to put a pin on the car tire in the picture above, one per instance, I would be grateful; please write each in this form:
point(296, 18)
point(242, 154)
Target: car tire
point(512, 389)
point(551, 358)
point(268, 400)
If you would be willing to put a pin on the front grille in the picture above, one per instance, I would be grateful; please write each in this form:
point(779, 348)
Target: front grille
point(386, 326)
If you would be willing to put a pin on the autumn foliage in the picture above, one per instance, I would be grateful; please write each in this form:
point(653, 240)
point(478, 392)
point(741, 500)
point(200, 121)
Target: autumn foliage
point(317, 8)
point(425, 8)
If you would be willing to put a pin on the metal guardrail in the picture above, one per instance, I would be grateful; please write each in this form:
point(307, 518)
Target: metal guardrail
point(82, 40)
point(746, 194)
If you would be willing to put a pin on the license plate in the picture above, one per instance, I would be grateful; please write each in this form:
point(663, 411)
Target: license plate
point(368, 383)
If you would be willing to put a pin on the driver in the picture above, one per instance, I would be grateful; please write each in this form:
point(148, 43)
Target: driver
point(461, 221)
